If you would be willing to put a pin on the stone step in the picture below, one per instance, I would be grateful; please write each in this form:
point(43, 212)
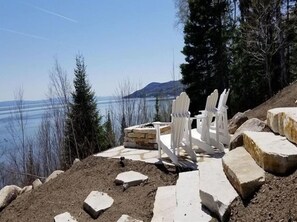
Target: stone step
point(243, 172)
point(273, 153)
point(188, 206)
point(212, 182)
point(165, 203)
point(283, 121)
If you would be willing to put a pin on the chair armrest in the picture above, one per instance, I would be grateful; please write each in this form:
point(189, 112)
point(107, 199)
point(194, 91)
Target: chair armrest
point(200, 116)
point(161, 123)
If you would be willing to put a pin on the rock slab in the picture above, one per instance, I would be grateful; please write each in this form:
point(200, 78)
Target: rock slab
point(130, 178)
point(243, 172)
point(164, 205)
point(237, 120)
point(8, 194)
point(96, 203)
point(273, 153)
point(275, 118)
point(64, 217)
point(212, 182)
point(284, 121)
point(254, 125)
point(188, 203)
point(127, 218)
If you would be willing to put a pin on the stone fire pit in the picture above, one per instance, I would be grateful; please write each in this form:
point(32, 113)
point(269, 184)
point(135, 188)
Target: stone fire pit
point(143, 136)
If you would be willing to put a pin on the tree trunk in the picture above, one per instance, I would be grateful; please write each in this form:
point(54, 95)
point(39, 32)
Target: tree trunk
point(280, 39)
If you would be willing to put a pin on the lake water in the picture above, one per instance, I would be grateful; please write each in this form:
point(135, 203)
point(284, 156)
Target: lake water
point(34, 110)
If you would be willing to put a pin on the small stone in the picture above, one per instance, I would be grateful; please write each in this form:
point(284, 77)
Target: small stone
point(26, 189)
point(130, 178)
point(76, 160)
point(36, 183)
point(127, 218)
point(96, 203)
point(64, 217)
point(53, 175)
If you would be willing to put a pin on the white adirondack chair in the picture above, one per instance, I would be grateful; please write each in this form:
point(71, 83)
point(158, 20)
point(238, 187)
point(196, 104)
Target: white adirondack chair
point(219, 127)
point(180, 136)
point(201, 135)
point(221, 120)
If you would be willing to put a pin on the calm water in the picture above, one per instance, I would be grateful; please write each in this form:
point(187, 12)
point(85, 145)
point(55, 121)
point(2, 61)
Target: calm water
point(34, 110)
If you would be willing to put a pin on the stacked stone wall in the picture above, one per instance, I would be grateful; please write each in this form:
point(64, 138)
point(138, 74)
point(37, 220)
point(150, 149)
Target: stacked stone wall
point(142, 137)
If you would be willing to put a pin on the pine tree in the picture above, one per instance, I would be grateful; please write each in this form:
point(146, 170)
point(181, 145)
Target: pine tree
point(205, 37)
point(123, 126)
point(109, 133)
point(157, 116)
point(84, 132)
point(262, 52)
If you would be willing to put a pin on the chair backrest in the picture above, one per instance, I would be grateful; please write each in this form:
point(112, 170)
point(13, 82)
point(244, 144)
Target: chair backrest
point(223, 100)
point(222, 109)
point(179, 117)
point(210, 106)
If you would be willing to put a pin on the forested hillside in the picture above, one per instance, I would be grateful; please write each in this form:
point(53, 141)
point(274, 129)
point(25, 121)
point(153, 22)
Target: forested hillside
point(248, 46)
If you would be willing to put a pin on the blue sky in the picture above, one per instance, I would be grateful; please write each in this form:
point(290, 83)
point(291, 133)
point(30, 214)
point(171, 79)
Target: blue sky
point(131, 39)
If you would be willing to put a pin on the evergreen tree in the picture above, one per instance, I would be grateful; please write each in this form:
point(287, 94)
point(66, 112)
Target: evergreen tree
point(262, 46)
point(157, 116)
point(206, 38)
point(83, 133)
point(109, 133)
point(123, 126)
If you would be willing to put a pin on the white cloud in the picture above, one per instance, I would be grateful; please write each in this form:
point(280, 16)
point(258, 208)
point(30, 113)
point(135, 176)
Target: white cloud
point(53, 13)
point(23, 34)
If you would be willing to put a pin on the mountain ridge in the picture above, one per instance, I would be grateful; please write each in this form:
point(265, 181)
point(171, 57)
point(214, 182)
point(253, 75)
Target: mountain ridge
point(155, 89)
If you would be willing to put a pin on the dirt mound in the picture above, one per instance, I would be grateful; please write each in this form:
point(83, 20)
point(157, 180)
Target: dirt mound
point(68, 191)
point(275, 201)
point(284, 98)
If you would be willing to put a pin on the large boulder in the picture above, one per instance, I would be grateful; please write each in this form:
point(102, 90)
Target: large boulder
point(243, 172)
point(254, 125)
point(8, 194)
point(284, 121)
point(290, 127)
point(274, 153)
point(237, 120)
point(276, 116)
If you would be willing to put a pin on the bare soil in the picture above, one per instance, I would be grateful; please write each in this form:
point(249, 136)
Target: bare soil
point(287, 97)
point(275, 201)
point(68, 191)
